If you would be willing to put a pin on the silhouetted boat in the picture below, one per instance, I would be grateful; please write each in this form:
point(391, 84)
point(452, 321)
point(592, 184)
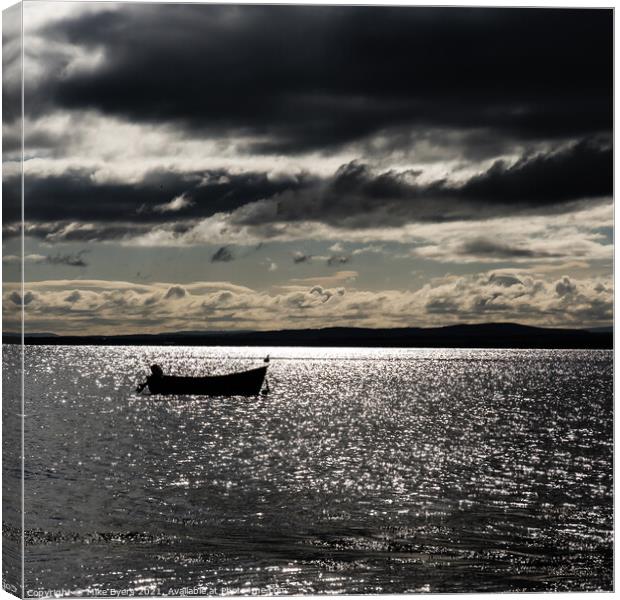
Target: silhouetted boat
point(246, 383)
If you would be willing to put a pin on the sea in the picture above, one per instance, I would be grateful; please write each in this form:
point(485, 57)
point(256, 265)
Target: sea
point(360, 471)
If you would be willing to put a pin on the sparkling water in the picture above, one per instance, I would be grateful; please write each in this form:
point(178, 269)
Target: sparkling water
point(361, 471)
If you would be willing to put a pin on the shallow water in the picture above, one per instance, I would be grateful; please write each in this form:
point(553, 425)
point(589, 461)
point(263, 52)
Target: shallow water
point(362, 471)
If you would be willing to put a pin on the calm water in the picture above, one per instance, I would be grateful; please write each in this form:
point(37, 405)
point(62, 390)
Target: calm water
point(363, 471)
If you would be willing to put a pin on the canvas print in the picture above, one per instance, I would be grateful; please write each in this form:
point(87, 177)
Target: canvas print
point(305, 300)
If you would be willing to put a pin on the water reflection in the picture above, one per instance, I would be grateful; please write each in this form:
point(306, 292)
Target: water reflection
point(363, 471)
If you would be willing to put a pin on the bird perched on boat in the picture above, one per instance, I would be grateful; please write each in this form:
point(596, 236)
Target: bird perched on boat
point(266, 359)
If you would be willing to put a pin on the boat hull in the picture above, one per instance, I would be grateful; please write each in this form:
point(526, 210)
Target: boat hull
point(247, 383)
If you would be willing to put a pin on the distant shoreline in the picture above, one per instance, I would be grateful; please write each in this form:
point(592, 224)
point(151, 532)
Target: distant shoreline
point(494, 335)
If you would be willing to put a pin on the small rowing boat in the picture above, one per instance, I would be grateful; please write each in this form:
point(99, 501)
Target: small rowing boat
point(245, 383)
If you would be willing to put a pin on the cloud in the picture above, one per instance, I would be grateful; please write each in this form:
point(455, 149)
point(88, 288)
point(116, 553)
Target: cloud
point(175, 291)
point(16, 298)
point(372, 249)
point(331, 260)
point(482, 248)
point(74, 231)
point(222, 254)
point(392, 129)
point(69, 260)
point(300, 257)
point(256, 207)
point(582, 170)
point(521, 250)
point(357, 196)
point(112, 58)
point(12, 49)
point(337, 259)
point(338, 278)
point(176, 204)
point(32, 258)
point(536, 240)
point(565, 287)
point(532, 300)
point(503, 280)
point(77, 196)
point(73, 297)
point(77, 306)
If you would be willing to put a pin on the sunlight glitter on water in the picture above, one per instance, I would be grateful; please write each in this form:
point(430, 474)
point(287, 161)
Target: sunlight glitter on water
point(362, 471)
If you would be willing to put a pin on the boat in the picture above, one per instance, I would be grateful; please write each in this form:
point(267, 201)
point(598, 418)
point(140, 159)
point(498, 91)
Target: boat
point(245, 383)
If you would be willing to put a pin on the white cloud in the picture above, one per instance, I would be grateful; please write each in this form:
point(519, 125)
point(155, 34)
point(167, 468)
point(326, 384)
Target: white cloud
point(32, 258)
point(91, 306)
point(338, 278)
point(118, 151)
point(553, 240)
point(372, 249)
point(175, 205)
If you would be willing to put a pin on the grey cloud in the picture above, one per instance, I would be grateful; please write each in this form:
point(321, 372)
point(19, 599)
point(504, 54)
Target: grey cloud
point(222, 254)
point(350, 71)
point(75, 196)
point(76, 231)
point(442, 306)
point(74, 208)
point(356, 196)
point(16, 298)
point(597, 310)
point(565, 287)
point(485, 248)
point(504, 280)
point(338, 260)
point(74, 296)
point(69, 260)
point(469, 299)
point(325, 294)
point(300, 257)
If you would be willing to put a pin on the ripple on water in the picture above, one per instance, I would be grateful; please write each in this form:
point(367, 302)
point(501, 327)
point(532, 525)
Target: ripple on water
point(363, 471)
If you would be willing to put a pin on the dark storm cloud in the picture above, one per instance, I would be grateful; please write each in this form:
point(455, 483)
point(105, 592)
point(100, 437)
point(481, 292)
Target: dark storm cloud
point(75, 208)
point(11, 197)
point(11, 65)
point(358, 197)
point(316, 77)
point(484, 248)
point(75, 196)
point(585, 170)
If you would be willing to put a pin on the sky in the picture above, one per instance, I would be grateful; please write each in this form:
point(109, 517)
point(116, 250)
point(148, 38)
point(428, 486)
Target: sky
point(215, 167)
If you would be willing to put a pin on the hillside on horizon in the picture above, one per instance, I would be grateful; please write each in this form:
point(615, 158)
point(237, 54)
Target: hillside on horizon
point(486, 335)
